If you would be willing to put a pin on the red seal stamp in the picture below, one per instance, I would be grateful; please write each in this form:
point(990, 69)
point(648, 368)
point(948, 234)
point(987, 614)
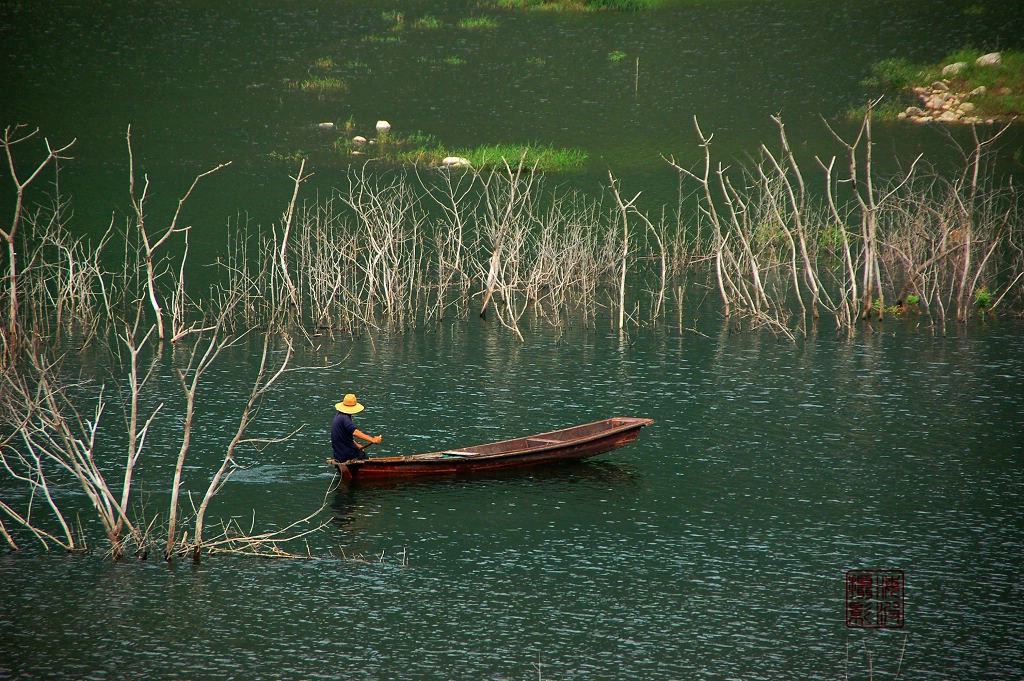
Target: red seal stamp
point(875, 599)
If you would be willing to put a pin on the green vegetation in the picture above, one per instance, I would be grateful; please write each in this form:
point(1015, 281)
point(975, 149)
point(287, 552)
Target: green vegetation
point(983, 298)
point(382, 39)
point(349, 126)
point(395, 18)
point(896, 73)
point(450, 60)
point(579, 5)
point(995, 90)
point(616, 56)
point(397, 22)
point(423, 149)
point(321, 84)
point(476, 23)
point(545, 158)
point(321, 77)
point(427, 22)
point(291, 159)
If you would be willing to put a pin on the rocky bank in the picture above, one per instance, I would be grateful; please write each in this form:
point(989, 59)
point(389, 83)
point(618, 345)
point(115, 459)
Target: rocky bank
point(944, 102)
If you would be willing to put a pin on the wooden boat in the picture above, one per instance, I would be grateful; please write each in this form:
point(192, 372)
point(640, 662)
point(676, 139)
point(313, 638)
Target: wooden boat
point(568, 444)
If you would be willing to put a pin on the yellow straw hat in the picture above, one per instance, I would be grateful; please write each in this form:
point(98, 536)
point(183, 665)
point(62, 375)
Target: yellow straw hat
point(349, 405)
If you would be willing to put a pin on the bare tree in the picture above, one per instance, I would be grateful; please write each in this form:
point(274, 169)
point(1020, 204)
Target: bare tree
point(502, 214)
point(43, 414)
point(626, 208)
point(286, 228)
point(266, 377)
point(199, 363)
point(151, 244)
point(12, 137)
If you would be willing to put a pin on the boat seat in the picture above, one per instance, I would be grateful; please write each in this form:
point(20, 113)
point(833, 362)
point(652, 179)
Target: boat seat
point(542, 441)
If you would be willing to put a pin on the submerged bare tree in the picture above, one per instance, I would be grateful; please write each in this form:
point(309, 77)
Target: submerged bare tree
point(55, 428)
point(916, 238)
point(13, 137)
point(50, 432)
point(264, 381)
point(150, 244)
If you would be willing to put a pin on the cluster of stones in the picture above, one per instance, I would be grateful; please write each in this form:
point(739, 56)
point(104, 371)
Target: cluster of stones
point(939, 102)
point(383, 128)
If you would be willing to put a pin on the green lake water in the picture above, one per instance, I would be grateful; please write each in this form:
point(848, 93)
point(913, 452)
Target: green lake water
point(715, 547)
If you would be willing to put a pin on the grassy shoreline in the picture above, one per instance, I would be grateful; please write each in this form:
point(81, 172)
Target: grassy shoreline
point(990, 84)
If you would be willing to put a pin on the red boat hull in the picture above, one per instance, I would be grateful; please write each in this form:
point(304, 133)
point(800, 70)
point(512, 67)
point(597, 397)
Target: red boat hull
point(568, 444)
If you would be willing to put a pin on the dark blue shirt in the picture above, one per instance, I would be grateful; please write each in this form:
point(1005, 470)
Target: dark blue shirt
point(341, 439)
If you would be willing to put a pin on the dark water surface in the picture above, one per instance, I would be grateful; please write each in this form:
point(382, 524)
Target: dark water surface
point(715, 547)
point(204, 83)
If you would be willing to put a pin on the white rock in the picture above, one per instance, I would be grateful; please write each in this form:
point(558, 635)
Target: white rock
point(953, 69)
point(383, 126)
point(978, 91)
point(327, 125)
point(990, 59)
point(359, 140)
point(456, 162)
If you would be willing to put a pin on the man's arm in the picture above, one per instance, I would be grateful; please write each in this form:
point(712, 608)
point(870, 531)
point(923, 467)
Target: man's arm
point(363, 436)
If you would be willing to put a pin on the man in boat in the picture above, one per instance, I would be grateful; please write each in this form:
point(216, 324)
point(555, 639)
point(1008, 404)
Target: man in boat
point(343, 431)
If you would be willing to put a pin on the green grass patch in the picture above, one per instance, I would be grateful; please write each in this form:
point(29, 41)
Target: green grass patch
point(382, 39)
point(579, 5)
point(450, 60)
point(898, 74)
point(477, 23)
point(394, 19)
point(887, 109)
point(322, 84)
point(545, 158)
point(321, 77)
point(427, 23)
point(426, 150)
point(357, 66)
